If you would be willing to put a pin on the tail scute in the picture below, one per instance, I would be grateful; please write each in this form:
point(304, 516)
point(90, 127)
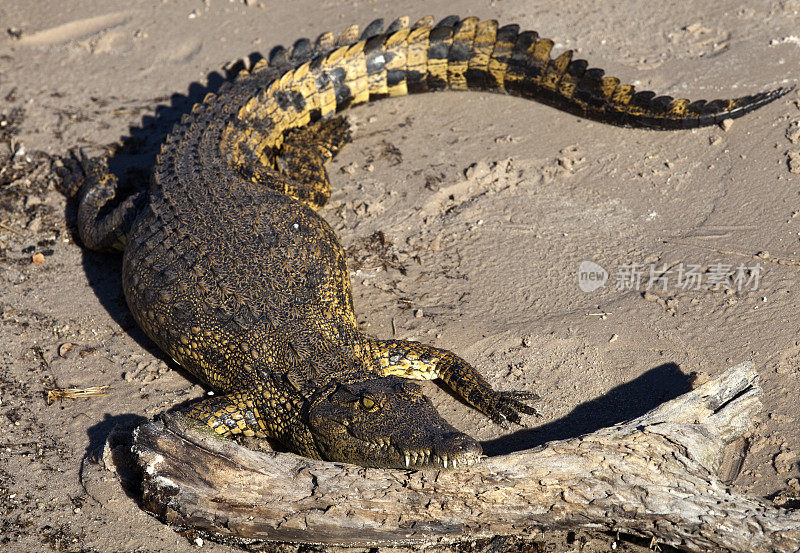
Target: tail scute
point(449, 21)
point(555, 70)
point(517, 66)
point(278, 57)
point(426, 21)
point(417, 59)
point(501, 54)
point(348, 36)
point(572, 76)
point(324, 42)
point(398, 25)
point(540, 57)
point(440, 41)
point(373, 29)
point(482, 48)
point(460, 50)
point(395, 49)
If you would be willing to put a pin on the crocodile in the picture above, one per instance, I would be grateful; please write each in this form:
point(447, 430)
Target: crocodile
point(230, 270)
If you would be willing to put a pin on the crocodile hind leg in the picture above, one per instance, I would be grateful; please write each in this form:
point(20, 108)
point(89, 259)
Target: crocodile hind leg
point(418, 361)
point(229, 414)
point(100, 226)
point(301, 161)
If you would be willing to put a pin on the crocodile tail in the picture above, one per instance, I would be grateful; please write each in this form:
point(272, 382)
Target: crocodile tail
point(314, 81)
point(468, 54)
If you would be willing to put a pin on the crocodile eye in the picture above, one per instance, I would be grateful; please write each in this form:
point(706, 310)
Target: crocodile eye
point(369, 404)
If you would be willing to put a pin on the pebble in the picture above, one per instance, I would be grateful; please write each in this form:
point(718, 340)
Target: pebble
point(726, 124)
point(477, 170)
point(793, 132)
point(32, 200)
point(649, 296)
point(699, 378)
point(64, 349)
point(784, 460)
point(793, 159)
point(5, 150)
point(35, 225)
point(527, 341)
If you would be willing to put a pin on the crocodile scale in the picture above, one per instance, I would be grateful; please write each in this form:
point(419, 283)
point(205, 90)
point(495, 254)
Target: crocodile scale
point(230, 270)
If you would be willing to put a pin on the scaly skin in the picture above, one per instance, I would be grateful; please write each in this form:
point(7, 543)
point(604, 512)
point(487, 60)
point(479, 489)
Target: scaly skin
point(228, 268)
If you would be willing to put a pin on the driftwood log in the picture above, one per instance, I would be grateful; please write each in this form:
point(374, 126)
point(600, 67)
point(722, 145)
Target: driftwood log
point(656, 476)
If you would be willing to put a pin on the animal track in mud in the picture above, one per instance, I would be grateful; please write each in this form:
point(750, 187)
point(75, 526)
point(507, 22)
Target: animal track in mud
point(75, 30)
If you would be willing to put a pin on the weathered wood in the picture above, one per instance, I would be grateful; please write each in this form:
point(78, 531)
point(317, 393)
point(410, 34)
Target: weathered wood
point(653, 476)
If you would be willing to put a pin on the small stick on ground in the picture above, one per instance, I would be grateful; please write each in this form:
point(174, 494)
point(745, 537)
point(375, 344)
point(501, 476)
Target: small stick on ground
point(74, 393)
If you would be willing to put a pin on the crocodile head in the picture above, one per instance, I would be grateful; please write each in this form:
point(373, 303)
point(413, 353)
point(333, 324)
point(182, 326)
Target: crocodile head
point(386, 422)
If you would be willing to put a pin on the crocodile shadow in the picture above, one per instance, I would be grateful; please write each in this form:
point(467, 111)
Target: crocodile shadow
point(622, 403)
point(132, 160)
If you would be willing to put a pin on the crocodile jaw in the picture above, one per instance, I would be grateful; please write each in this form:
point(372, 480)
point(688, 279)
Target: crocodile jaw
point(402, 430)
point(448, 450)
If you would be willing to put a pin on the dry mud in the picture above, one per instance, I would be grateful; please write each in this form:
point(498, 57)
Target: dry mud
point(466, 217)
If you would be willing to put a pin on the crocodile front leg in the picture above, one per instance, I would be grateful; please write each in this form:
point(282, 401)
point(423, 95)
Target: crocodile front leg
point(241, 413)
point(229, 414)
point(418, 361)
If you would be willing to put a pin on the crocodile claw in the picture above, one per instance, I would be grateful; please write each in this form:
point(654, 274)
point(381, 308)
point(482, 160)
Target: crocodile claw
point(73, 171)
point(503, 407)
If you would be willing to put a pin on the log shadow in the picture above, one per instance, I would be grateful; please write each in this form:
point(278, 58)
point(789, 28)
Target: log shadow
point(625, 402)
point(98, 433)
point(116, 433)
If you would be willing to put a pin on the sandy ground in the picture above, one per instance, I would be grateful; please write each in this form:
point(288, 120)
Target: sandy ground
point(466, 217)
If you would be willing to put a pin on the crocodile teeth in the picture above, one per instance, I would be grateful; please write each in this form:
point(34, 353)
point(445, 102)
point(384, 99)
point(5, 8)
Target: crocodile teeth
point(444, 461)
point(408, 460)
point(455, 463)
